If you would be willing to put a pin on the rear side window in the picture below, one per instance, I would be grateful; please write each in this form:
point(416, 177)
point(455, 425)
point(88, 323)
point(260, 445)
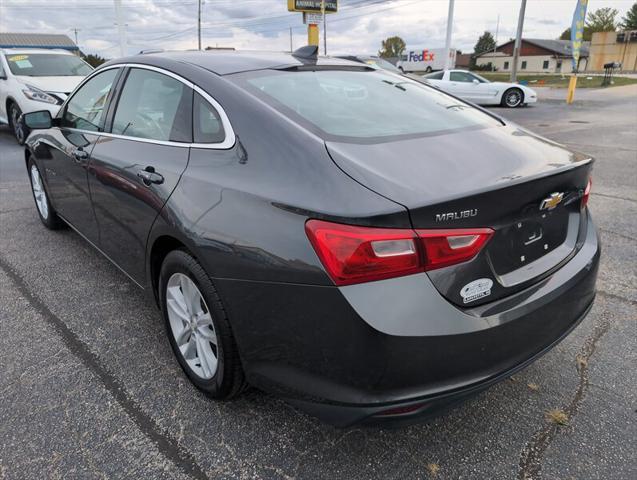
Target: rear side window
point(207, 126)
point(461, 77)
point(154, 106)
point(434, 76)
point(346, 105)
point(85, 109)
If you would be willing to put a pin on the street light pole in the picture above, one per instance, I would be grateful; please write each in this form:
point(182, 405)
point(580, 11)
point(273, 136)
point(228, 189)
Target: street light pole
point(199, 24)
point(448, 39)
point(518, 42)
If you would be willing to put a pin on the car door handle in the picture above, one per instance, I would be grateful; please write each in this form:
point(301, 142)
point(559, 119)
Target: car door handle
point(150, 176)
point(80, 155)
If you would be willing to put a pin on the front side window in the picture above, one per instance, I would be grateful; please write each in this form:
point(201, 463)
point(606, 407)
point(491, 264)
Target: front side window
point(350, 105)
point(461, 77)
point(85, 109)
point(207, 126)
point(48, 65)
point(154, 106)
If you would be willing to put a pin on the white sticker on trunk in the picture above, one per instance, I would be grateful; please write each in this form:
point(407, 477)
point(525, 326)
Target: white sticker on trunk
point(477, 289)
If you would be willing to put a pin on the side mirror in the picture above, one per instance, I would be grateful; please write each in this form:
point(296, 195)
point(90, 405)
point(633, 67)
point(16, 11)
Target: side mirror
point(476, 81)
point(39, 120)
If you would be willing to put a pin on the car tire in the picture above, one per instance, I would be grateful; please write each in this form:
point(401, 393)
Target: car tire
point(45, 210)
point(428, 70)
point(202, 338)
point(20, 131)
point(512, 98)
point(402, 70)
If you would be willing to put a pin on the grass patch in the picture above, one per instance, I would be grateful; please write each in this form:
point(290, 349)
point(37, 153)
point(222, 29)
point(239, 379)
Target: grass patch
point(559, 81)
point(556, 416)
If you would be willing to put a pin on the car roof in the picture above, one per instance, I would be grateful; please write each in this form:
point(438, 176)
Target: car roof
point(226, 62)
point(57, 51)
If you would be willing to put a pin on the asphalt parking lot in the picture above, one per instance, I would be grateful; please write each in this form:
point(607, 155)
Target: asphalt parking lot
point(89, 387)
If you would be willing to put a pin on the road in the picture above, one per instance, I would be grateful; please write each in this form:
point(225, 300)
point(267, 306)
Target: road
point(89, 387)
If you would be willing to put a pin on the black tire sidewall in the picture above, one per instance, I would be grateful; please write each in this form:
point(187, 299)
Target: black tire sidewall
point(179, 261)
point(25, 131)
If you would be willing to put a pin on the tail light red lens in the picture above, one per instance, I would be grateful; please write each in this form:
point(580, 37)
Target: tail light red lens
point(448, 247)
point(587, 193)
point(354, 254)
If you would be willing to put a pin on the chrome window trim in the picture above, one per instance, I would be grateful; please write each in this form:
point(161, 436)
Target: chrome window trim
point(228, 141)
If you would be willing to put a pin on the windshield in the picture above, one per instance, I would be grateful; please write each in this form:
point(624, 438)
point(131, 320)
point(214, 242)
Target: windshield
point(47, 65)
point(355, 104)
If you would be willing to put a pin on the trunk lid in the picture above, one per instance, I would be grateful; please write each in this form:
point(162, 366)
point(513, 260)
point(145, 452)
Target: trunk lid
point(494, 177)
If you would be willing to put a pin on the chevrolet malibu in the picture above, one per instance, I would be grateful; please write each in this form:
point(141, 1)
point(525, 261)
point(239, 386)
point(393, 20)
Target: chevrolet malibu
point(363, 245)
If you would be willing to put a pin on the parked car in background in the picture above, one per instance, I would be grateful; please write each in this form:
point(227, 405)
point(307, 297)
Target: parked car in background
point(425, 60)
point(35, 79)
point(474, 88)
point(366, 246)
point(373, 61)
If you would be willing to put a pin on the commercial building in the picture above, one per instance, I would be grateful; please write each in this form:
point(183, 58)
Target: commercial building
point(536, 56)
point(38, 40)
point(620, 47)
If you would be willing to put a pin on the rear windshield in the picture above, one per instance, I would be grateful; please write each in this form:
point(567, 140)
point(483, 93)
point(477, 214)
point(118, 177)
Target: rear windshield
point(47, 65)
point(359, 105)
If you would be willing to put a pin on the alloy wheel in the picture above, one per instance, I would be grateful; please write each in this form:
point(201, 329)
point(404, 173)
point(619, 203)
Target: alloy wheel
point(18, 130)
point(191, 325)
point(513, 98)
point(39, 193)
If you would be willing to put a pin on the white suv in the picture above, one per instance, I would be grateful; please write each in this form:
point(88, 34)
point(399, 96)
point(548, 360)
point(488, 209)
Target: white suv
point(36, 79)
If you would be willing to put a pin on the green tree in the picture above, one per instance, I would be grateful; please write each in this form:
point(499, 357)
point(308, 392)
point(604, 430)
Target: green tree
point(602, 20)
point(93, 60)
point(629, 22)
point(486, 43)
point(392, 47)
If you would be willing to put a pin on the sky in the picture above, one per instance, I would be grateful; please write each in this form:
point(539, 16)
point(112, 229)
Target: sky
point(358, 27)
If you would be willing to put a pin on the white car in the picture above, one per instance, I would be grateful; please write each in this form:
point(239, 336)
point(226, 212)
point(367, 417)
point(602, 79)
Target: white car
point(476, 89)
point(36, 79)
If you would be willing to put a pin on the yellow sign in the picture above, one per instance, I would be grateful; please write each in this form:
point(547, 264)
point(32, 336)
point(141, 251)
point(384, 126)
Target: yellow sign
point(17, 58)
point(315, 6)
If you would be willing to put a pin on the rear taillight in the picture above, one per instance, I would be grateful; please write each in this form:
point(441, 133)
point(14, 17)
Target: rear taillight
point(587, 194)
point(448, 247)
point(353, 254)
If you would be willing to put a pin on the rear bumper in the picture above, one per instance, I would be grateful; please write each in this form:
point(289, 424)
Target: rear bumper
point(346, 355)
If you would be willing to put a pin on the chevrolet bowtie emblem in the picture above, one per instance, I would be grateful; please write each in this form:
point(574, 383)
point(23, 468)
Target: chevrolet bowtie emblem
point(552, 201)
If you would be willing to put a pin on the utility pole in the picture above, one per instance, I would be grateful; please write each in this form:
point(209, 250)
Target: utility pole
point(324, 28)
point(518, 42)
point(495, 47)
point(75, 30)
point(448, 39)
point(120, 28)
point(199, 25)
point(291, 47)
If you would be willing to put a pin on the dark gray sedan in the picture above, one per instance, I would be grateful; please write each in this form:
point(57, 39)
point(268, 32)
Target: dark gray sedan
point(367, 247)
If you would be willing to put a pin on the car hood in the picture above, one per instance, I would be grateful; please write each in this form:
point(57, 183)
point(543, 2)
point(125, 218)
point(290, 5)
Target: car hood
point(440, 168)
point(52, 84)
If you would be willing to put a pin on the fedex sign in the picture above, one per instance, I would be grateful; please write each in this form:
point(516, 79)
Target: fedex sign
point(424, 56)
